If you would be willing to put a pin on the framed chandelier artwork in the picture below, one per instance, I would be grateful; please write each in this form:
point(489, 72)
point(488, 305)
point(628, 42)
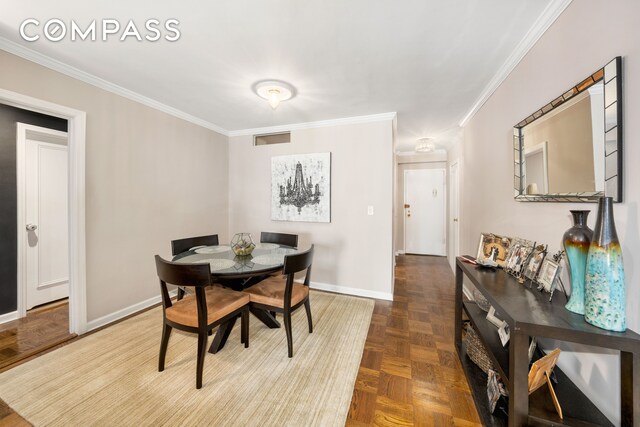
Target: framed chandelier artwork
point(301, 187)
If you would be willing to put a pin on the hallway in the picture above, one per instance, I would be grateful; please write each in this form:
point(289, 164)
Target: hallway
point(410, 373)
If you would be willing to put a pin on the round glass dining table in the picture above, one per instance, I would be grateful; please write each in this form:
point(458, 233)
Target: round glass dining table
point(265, 258)
point(238, 272)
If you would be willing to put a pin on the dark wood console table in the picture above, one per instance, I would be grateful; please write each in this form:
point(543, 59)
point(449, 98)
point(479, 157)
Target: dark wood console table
point(529, 313)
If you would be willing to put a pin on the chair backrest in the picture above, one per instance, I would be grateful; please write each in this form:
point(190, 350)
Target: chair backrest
point(196, 275)
point(279, 238)
point(182, 245)
point(298, 262)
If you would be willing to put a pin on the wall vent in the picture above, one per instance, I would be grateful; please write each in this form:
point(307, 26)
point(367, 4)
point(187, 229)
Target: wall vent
point(272, 138)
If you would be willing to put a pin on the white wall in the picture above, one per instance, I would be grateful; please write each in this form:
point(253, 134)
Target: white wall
point(150, 178)
point(354, 251)
point(586, 36)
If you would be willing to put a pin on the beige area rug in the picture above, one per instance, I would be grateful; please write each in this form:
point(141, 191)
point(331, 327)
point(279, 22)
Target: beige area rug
point(110, 378)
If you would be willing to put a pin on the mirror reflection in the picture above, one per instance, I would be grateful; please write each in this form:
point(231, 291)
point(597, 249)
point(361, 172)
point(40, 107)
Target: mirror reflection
point(571, 149)
point(564, 150)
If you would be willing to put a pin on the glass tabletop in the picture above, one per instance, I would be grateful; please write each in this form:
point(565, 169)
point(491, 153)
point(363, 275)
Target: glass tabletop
point(266, 257)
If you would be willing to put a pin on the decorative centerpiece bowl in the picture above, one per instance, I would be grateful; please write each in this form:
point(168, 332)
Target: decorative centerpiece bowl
point(242, 244)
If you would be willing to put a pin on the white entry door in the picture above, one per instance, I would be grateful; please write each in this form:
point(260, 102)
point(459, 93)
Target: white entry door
point(424, 211)
point(45, 217)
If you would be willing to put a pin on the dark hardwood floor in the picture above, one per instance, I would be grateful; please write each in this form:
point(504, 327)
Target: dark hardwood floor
point(409, 373)
point(41, 329)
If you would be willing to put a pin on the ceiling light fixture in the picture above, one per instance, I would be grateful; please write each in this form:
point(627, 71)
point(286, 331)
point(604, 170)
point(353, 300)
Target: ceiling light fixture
point(424, 145)
point(274, 91)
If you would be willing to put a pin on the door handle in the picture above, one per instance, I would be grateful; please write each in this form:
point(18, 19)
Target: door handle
point(455, 219)
point(31, 227)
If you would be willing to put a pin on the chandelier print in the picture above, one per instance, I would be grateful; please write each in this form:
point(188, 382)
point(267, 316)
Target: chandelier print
point(299, 194)
point(300, 187)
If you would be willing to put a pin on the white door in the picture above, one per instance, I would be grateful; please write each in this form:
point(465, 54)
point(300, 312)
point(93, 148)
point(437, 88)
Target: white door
point(424, 212)
point(45, 218)
point(454, 209)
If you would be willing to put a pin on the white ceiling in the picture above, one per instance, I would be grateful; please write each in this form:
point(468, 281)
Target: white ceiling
point(427, 60)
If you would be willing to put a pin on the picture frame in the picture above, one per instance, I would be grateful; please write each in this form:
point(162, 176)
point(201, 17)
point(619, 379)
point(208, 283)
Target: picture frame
point(493, 248)
point(491, 317)
point(301, 187)
point(503, 333)
point(518, 256)
point(548, 273)
point(535, 262)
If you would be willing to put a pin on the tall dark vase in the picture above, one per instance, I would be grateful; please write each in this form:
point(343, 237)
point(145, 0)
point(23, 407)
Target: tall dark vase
point(605, 300)
point(576, 242)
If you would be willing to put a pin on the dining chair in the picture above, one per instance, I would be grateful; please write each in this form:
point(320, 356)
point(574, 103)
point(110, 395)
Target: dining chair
point(200, 312)
point(182, 245)
point(279, 238)
point(281, 294)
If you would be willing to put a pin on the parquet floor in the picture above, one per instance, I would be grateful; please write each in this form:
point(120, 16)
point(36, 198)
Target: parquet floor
point(43, 328)
point(410, 373)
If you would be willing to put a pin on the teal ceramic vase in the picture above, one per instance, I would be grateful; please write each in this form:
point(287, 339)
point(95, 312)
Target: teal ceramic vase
point(605, 300)
point(576, 241)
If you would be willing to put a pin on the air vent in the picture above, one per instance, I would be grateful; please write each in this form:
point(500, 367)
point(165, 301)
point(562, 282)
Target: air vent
point(272, 138)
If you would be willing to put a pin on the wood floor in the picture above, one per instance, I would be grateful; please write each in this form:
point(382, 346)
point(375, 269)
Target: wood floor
point(409, 373)
point(40, 330)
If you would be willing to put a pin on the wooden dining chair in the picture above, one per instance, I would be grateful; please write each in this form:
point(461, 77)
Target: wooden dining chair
point(182, 245)
point(279, 238)
point(281, 294)
point(199, 313)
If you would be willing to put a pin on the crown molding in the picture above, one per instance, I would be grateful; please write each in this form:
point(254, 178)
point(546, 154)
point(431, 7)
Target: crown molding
point(313, 125)
point(542, 24)
point(55, 65)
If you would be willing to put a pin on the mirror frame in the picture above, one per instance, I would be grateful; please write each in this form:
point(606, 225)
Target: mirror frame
point(611, 75)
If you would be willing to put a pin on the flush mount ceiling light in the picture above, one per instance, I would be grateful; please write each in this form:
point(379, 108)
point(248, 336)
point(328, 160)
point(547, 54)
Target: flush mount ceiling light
point(424, 145)
point(274, 91)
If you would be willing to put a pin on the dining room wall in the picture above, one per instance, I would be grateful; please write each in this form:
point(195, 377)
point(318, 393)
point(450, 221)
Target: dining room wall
point(584, 38)
point(354, 252)
point(150, 178)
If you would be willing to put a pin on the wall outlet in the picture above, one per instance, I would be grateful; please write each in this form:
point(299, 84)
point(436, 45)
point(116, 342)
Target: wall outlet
point(369, 210)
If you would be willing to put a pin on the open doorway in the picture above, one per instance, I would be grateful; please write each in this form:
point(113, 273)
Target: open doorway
point(74, 317)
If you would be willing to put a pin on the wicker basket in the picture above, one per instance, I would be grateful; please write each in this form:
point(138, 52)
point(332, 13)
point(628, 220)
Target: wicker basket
point(475, 349)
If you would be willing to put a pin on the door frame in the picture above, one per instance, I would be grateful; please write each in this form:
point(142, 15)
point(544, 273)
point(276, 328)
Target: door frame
point(22, 134)
point(454, 240)
point(77, 231)
point(404, 202)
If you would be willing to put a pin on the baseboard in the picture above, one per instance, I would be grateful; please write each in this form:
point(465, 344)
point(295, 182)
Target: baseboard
point(8, 317)
point(400, 252)
point(127, 311)
point(351, 291)
point(467, 293)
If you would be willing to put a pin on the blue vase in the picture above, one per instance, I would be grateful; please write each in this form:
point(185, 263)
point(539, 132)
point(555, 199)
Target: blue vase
point(605, 300)
point(576, 241)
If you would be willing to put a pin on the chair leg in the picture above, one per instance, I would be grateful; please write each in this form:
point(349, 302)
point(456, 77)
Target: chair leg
point(164, 342)
point(307, 307)
point(287, 326)
point(180, 293)
point(244, 328)
point(273, 313)
point(202, 350)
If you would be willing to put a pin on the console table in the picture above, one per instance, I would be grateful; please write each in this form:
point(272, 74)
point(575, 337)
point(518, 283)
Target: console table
point(528, 312)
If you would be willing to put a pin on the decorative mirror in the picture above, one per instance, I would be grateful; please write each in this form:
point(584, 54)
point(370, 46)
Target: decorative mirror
point(570, 150)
